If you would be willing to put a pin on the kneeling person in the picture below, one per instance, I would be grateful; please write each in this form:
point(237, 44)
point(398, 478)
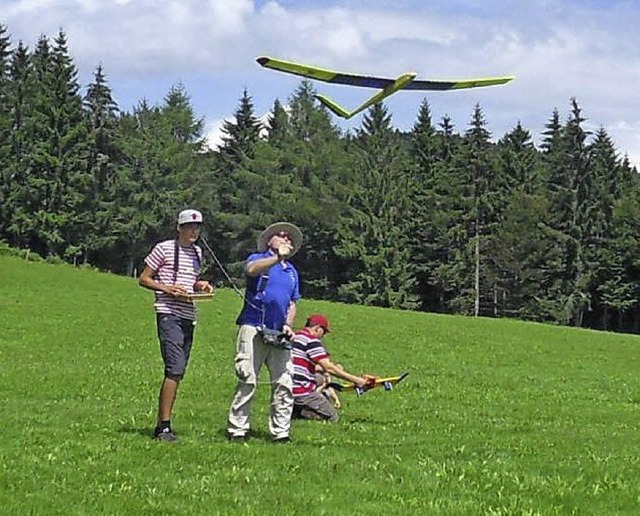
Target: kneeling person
point(308, 353)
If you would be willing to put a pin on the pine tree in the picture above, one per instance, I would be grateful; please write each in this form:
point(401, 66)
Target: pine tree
point(551, 134)
point(309, 122)
point(485, 196)
point(373, 238)
point(239, 141)
point(99, 204)
point(17, 201)
point(425, 150)
point(5, 130)
point(520, 247)
point(239, 137)
point(570, 185)
point(52, 176)
point(610, 287)
point(278, 126)
point(161, 172)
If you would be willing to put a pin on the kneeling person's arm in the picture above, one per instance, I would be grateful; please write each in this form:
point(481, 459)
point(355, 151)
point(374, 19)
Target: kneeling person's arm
point(338, 371)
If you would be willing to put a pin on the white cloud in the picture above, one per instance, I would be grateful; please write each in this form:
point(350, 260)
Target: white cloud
point(213, 132)
point(557, 50)
point(213, 129)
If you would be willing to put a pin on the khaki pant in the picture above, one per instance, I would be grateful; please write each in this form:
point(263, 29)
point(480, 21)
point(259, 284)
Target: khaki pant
point(315, 405)
point(251, 353)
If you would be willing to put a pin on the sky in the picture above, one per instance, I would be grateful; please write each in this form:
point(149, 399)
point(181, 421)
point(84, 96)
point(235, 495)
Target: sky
point(558, 50)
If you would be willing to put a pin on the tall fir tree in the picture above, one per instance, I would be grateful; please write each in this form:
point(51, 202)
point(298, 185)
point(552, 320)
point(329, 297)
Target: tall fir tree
point(485, 196)
point(570, 184)
point(278, 126)
point(373, 238)
point(5, 130)
point(425, 150)
point(520, 248)
point(100, 201)
point(610, 287)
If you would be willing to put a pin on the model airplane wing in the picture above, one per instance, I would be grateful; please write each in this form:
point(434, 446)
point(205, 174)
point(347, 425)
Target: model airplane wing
point(388, 86)
point(365, 81)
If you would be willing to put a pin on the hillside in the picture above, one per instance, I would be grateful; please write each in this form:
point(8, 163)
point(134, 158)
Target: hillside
point(496, 417)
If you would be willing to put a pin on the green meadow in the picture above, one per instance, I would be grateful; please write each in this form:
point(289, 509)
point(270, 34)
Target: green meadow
point(496, 416)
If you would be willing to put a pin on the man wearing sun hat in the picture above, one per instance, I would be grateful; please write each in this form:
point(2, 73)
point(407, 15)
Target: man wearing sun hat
point(171, 270)
point(265, 325)
point(309, 356)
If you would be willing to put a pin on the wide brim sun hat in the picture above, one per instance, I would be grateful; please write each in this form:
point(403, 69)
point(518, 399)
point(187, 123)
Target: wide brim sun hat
point(292, 230)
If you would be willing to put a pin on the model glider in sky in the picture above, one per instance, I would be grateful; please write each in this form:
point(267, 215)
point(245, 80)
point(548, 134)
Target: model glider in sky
point(406, 81)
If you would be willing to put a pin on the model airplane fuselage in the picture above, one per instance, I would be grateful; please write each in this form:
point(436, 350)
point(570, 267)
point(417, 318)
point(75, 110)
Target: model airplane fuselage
point(387, 86)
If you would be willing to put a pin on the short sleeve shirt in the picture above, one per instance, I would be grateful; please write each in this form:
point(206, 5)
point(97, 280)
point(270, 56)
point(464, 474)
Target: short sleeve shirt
point(161, 260)
point(268, 296)
point(306, 353)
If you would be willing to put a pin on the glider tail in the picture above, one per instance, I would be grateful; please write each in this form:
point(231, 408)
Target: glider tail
point(400, 83)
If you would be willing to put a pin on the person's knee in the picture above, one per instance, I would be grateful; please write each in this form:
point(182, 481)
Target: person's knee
point(175, 371)
point(334, 418)
point(244, 368)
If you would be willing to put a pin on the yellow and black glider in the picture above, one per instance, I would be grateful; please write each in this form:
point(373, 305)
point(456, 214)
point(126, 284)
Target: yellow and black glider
point(387, 86)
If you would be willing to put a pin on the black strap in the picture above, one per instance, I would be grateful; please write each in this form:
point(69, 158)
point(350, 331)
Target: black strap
point(176, 259)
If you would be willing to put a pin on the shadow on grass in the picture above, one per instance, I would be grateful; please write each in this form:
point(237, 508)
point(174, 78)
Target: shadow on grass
point(254, 435)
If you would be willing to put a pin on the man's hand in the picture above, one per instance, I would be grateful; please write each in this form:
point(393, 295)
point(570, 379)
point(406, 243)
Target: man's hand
point(365, 381)
point(369, 381)
point(288, 331)
point(203, 286)
point(284, 250)
point(174, 290)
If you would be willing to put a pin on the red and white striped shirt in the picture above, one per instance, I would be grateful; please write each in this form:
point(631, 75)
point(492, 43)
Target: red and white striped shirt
point(161, 260)
point(307, 351)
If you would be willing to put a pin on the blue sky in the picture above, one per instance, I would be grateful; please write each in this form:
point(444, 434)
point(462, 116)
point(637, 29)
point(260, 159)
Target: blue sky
point(588, 49)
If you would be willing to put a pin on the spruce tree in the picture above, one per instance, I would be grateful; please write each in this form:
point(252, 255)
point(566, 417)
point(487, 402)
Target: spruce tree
point(520, 247)
point(100, 202)
point(5, 131)
point(485, 195)
point(570, 189)
point(18, 201)
point(278, 127)
point(425, 150)
point(373, 238)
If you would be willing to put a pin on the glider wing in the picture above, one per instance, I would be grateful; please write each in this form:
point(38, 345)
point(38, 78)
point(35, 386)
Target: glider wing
point(321, 74)
point(364, 81)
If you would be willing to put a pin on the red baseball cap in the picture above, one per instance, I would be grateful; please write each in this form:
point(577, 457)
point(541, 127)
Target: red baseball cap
point(318, 320)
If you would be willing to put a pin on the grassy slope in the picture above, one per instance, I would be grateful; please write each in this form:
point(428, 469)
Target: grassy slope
point(496, 417)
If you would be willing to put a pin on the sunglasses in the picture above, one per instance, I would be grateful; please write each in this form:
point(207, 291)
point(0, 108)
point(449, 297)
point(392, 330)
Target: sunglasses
point(283, 234)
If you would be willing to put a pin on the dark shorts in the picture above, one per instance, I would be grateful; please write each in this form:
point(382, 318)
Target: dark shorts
point(176, 337)
point(314, 406)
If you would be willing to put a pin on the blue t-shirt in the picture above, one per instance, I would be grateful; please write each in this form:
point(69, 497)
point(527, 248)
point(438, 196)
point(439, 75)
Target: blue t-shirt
point(268, 296)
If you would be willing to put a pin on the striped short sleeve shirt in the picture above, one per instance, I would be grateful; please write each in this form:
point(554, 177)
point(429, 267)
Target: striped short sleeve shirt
point(161, 259)
point(306, 353)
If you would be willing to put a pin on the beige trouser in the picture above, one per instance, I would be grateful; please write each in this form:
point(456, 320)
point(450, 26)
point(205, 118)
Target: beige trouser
point(251, 353)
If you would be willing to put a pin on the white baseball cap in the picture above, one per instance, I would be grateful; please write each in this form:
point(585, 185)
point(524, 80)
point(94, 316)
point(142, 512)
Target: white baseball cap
point(189, 216)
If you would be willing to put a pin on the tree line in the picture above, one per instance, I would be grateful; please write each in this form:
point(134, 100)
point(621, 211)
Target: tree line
point(434, 218)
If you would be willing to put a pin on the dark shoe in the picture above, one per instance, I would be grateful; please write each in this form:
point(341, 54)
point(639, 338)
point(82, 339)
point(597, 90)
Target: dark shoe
point(237, 438)
point(164, 434)
point(282, 440)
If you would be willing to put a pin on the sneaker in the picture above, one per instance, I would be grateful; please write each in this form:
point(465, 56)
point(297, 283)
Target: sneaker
point(237, 438)
point(282, 440)
point(164, 434)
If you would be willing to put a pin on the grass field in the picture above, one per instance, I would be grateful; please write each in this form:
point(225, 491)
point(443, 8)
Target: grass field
point(496, 417)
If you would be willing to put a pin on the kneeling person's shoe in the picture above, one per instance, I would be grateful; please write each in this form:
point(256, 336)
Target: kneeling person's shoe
point(164, 434)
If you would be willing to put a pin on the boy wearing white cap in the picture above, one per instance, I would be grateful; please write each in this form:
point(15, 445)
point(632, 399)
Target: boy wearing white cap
point(172, 270)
